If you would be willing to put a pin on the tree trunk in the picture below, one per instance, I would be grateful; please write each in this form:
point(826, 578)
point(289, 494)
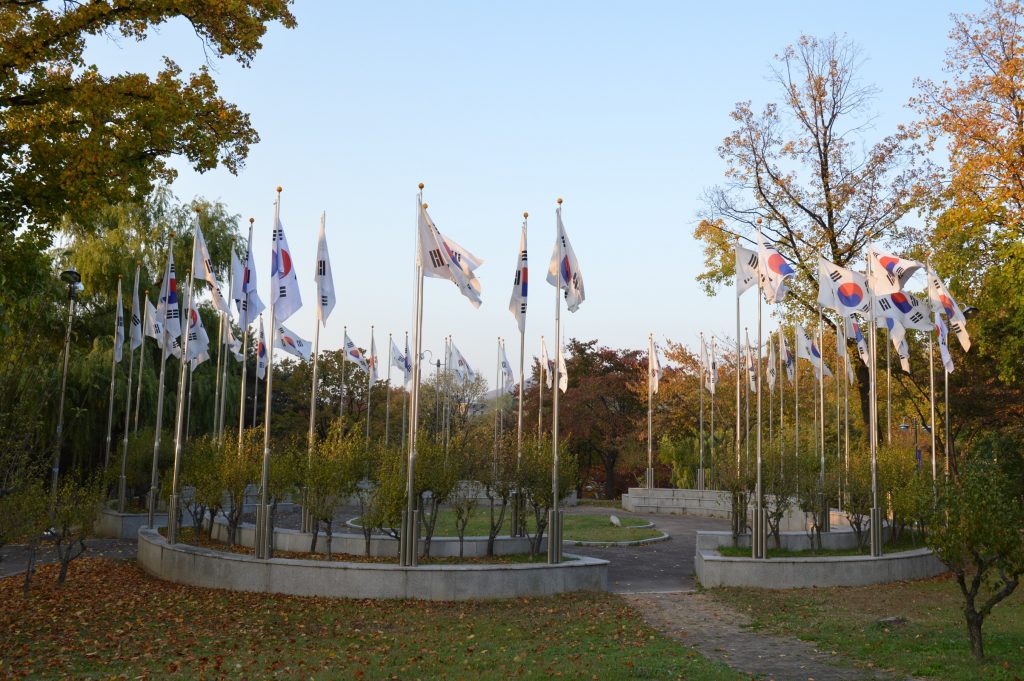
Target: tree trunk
point(33, 549)
point(330, 533)
point(316, 531)
point(974, 622)
point(609, 474)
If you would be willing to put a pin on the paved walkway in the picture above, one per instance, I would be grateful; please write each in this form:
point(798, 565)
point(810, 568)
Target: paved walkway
point(722, 633)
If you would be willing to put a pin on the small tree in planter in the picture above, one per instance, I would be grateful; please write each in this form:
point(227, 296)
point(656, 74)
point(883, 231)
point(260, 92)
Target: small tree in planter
point(535, 481)
point(499, 480)
point(857, 498)
point(778, 490)
point(734, 480)
point(437, 476)
point(330, 476)
point(75, 510)
point(287, 461)
point(237, 468)
point(198, 471)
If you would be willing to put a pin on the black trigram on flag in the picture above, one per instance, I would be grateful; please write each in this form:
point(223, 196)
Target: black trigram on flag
point(916, 317)
point(522, 308)
point(324, 301)
point(884, 304)
point(276, 234)
point(955, 326)
point(282, 292)
point(435, 258)
point(135, 320)
point(835, 276)
point(208, 265)
point(519, 274)
point(321, 268)
point(752, 260)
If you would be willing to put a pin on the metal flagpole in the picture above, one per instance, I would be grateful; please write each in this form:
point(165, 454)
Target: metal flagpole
point(796, 413)
point(369, 385)
point(122, 482)
point(154, 473)
point(711, 432)
point(738, 379)
point(782, 404)
point(118, 317)
point(931, 399)
point(759, 540)
point(216, 383)
point(519, 508)
point(700, 430)
point(497, 397)
point(771, 404)
point(263, 539)
point(179, 439)
point(888, 385)
point(142, 357)
point(244, 324)
point(410, 520)
point(840, 367)
point(540, 394)
point(188, 407)
point(255, 402)
point(846, 415)
point(405, 388)
point(876, 512)
point(224, 369)
point(945, 395)
point(344, 358)
point(306, 521)
point(387, 397)
point(746, 409)
point(825, 524)
point(554, 533)
point(650, 411)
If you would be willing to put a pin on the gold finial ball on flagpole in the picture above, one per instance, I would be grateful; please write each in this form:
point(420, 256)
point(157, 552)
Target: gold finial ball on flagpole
point(525, 214)
point(252, 220)
point(559, 200)
point(425, 206)
point(119, 277)
point(171, 234)
point(759, 221)
point(421, 185)
point(278, 189)
point(139, 263)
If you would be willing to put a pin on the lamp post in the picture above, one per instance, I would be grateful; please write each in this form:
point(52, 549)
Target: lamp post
point(73, 279)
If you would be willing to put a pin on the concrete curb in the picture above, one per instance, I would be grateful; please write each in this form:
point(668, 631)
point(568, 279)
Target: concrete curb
point(665, 536)
point(197, 566)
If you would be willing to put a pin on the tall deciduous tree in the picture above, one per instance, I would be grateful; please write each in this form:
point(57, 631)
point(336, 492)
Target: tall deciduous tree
point(802, 165)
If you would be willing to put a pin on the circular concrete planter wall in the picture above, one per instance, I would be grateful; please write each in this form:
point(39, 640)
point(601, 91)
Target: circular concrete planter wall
point(185, 564)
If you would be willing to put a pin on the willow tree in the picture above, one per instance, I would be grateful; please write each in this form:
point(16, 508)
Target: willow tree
point(803, 165)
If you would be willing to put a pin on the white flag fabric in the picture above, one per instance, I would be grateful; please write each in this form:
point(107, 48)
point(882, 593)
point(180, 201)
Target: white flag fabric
point(408, 360)
point(546, 369)
point(517, 303)
point(136, 319)
point(788, 360)
point(458, 364)
point(564, 269)
point(853, 330)
point(261, 353)
point(807, 349)
point(284, 284)
point(653, 365)
point(746, 269)
point(203, 266)
point(251, 305)
point(773, 269)
point(442, 258)
point(231, 342)
point(705, 366)
point(354, 354)
point(943, 336)
point(154, 327)
point(904, 308)
point(751, 365)
point(898, 336)
point(508, 379)
point(771, 373)
point(324, 279)
point(289, 341)
point(713, 376)
point(399, 360)
point(842, 289)
point(942, 302)
point(199, 359)
point(237, 278)
point(841, 351)
point(563, 372)
point(198, 340)
point(889, 273)
point(119, 327)
point(371, 361)
point(167, 311)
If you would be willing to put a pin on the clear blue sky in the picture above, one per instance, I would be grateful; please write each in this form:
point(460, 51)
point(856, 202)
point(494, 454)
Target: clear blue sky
point(501, 108)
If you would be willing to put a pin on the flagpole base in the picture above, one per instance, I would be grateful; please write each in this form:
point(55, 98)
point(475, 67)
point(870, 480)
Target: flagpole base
point(700, 478)
point(306, 521)
point(876, 532)
point(555, 522)
point(759, 536)
point(122, 493)
point(516, 515)
point(151, 501)
point(172, 520)
point(649, 478)
point(824, 518)
point(409, 544)
point(263, 544)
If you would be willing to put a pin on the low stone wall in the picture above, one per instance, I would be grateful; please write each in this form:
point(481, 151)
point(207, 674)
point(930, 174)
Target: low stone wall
point(381, 546)
point(843, 538)
point(185, 564)
point(714, 570)
point(705, 503)
point(114, 525)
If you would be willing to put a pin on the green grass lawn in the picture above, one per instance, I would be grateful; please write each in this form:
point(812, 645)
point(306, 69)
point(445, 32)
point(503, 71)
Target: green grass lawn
point(112, 620)
point(932, 643)
point(578, 527)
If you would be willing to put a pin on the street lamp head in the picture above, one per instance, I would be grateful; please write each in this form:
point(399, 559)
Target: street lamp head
point(904, 426)
point(70, 276)
point(970, 311)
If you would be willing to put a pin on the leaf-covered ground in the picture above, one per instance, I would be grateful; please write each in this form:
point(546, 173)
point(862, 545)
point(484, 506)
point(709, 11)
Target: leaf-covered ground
point(932, 642)
point(112, 621)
